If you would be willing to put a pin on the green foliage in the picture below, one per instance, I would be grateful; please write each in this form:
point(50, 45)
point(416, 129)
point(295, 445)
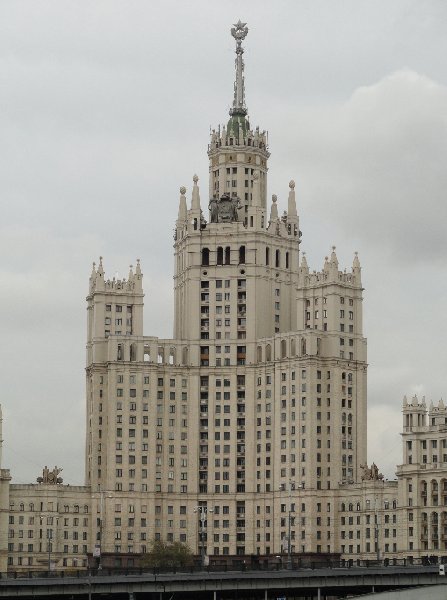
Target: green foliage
point(162, 554)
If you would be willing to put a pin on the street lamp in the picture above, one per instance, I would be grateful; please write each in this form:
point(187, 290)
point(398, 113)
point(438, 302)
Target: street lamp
point(202, 512)
point(49, 535)
point(98, 547)
point(290, 486)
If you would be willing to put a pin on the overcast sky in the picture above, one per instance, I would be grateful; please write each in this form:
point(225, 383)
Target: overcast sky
point(105, 109)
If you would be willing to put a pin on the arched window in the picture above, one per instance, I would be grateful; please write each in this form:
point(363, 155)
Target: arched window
point(133, 352)
point(242, 255)
point(31, 506)
point(343, 507)
point(283, 348)
point(277, 258)
point(303, 347)
point(22, 506)
point(172, 353)
point(227, 255)
point(205, 257)
point(119, 354)
point(259, 354)
point(185, 356)
point(287, 260)
point(220, 255)
point(268, 353)
point(292, 347)
point(267, 256)
point(76, 508)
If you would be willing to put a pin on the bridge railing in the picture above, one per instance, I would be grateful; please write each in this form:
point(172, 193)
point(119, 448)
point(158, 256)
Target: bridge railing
point(237, 566)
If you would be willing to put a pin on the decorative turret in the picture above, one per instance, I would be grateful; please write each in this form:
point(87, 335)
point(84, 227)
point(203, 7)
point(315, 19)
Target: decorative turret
point(356, 269)
point(182, 208)
point(304, 267)
point(274, 209)
point(332, 266)
point(414, 413)
point(291, 209)
point(437, 414)
point(99, 283)
point(195, 201)
point(195, 217)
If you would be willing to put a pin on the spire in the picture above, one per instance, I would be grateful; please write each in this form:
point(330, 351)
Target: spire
point(182, 210)
point(239, 32)
point(304, 267)
point(195, 202)
point(292, 202)
point(274, 209)
point(334, 259)
point(356, 268)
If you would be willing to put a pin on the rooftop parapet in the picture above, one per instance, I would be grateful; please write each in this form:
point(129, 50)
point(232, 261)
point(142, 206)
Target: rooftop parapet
point(133, 283)
point(331, 273)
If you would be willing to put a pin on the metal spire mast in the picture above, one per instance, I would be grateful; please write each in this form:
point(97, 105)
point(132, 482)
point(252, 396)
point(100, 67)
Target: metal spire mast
point(239, 32)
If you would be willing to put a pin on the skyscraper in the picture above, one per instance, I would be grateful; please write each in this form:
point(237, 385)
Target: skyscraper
point(259, 400)
point(244, 434)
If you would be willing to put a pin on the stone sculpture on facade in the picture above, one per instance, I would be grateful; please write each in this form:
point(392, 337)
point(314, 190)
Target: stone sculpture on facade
point(50, 477)
point(224, 209)
point(371, 473)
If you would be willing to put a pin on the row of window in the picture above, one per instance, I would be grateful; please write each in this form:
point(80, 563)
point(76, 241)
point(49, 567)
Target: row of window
point(50, 507)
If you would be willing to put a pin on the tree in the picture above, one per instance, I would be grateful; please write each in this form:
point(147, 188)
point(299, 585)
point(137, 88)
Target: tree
point(163, 554)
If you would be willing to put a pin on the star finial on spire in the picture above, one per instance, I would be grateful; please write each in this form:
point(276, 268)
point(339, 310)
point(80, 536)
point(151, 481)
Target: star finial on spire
point(239, 32)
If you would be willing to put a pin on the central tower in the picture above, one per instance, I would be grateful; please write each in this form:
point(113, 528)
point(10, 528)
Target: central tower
point(262, 387)
point(253, 256)
point(236, 152)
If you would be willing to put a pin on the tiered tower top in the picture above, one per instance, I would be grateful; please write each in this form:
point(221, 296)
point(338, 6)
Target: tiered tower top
point(237, 153)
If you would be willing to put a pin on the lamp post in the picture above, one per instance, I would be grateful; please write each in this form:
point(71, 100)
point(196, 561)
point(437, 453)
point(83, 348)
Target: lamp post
point(101, 523)
point(49, 535)
point(202, 512)
point(290, 486)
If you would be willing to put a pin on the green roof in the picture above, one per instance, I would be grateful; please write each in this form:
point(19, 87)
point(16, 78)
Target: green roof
point(235, 121)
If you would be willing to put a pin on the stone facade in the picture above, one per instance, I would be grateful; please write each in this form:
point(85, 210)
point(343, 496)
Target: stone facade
point(254, 414)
